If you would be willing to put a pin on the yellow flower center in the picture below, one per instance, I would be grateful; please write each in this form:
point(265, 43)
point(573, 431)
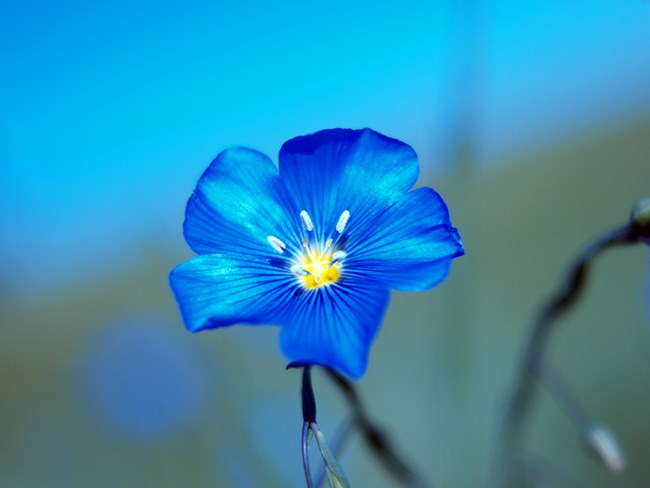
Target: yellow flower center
point(320, 269)
point(315, 264)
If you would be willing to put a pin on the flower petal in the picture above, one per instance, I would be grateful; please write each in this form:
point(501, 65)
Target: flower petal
point(342, 169)
point(334, 326)
point(214, 290)
point(407, 246)
point(237, 203)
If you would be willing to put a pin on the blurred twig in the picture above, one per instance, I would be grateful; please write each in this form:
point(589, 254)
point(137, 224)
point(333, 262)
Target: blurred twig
point(376, 439)
point(557, 305)
point(637, 230)
point(373, 435)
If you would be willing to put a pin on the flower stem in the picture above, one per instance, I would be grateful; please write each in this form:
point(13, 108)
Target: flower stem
point(305, 454)
point(308, 399)
point(375, 437)
point(532, 362)
point(308, 416)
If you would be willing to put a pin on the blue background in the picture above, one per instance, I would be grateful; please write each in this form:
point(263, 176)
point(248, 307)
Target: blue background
point(111, 110)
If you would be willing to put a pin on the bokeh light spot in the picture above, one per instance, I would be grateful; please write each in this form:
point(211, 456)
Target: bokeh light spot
point(142, 379)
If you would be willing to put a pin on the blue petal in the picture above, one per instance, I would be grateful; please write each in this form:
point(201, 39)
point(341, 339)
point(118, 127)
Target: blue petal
point(214, 290)
point(238, 202)
point(342, 169)
point(334, 326)
point(407, 246)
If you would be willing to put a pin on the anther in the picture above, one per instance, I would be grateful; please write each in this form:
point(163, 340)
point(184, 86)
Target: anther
point(306, 221)
point(343, 220)
point(276, 244)
point(299, 270)
point(328, 243)
point(338, 256)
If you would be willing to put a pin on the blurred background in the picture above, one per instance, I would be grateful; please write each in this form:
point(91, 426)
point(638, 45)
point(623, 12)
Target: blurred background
point(532, 119)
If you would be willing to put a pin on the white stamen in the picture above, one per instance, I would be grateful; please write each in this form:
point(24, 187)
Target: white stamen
point(343, 220)
point(306, 221)
point(299, 270)
point(277, 244)
point(310, 255)
point(338, 256)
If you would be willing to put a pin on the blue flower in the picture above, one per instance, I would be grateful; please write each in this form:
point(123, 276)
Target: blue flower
point(314, 246)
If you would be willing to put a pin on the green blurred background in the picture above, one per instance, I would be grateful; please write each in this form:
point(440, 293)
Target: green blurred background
point(532, 121)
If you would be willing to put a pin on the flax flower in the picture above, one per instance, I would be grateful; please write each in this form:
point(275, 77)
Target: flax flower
point(314, 245)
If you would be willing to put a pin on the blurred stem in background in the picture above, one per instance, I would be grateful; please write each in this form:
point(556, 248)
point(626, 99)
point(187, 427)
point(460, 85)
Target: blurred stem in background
point(375, 438)
point(598, 439)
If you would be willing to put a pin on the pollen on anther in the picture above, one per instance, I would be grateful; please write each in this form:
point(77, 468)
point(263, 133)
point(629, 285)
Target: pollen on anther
point(343, 220)
point(276, 244)
point(306, 221)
